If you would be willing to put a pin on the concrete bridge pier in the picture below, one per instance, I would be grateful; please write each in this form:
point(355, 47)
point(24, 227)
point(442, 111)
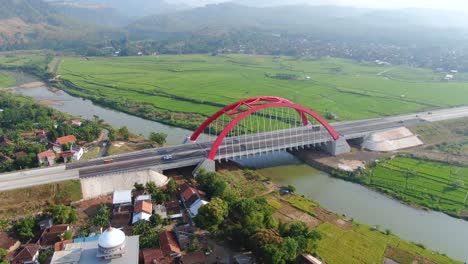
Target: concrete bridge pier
point(337, 147)
point(207, 165)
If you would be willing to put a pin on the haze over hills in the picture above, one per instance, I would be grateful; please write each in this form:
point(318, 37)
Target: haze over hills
point(35, 24)
point(134, 8)
point(329, 22)
point(96, 14)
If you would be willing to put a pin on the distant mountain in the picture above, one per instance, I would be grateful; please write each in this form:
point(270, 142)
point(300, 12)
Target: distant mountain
point(328, 22)
point(96, 14)
point(132, 8)
point(28, 24)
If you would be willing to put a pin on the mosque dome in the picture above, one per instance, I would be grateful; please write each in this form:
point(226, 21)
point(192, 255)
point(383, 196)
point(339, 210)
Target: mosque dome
point(111, 238)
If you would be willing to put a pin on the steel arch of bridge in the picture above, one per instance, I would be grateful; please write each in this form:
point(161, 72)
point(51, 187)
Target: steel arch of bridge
point(256, 104)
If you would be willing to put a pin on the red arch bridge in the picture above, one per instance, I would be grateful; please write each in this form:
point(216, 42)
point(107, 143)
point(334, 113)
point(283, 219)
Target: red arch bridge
point(245, 128)
point(260, 125)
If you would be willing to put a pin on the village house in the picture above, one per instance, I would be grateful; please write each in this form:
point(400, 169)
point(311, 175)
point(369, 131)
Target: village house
point(160, 210)
point(20, 154)
point(152, 256)
point(142, 211)
point(52, 235)
point(169, 245)
point(122, 215)
point(57, 146)
point(9, 243)
point(74, 154)
point(5, 142)
point(28, 255)
point(183, 234)
point(4, 158)
point(46, 158)
point(192, 201)
point(173, 210)
point(122, 197)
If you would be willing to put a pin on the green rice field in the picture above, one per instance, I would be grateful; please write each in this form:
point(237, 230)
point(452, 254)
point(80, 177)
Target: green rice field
point(6, 80)
point(199, 85)
point(424, 183)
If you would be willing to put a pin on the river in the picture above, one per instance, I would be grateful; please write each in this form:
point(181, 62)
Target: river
point(435, 230)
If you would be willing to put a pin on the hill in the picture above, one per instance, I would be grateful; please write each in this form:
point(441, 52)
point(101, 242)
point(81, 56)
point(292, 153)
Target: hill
point(325, 22)
point(28, 24)
point(95, 14)
point(134, 8)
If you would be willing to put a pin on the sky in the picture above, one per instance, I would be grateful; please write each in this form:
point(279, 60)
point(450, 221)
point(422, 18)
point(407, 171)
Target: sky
point(459, 5)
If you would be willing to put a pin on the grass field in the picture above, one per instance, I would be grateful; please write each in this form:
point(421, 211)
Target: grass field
point(356, 243)
point(35, 199)
point(424, 183)
point(362, 245)
point(6, 80)
point(185, 84)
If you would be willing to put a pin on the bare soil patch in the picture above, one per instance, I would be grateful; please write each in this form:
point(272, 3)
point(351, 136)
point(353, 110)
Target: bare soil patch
point(332, 218)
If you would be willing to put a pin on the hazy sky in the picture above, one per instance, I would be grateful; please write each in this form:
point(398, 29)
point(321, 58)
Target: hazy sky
point(461, 5)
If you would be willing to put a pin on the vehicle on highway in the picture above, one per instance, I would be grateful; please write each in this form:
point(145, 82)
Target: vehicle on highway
point(107, 161)
point(167, 157)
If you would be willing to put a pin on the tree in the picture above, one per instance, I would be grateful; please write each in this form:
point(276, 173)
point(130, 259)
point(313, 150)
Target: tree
point(123, 133)
point(63, 214)
point(25, 228)
point(67, 235)
point(171, 186)
point(149, 236)
point(155, 220)
point(159, 138)
point(211, 215)
point(211, 183)
point(139, 186)
point(102, 217)
point(3, 253)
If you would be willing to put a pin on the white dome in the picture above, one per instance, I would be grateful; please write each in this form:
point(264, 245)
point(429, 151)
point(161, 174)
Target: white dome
point(111, 238)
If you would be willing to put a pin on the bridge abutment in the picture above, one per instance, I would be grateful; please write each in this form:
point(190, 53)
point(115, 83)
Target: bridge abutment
point(337, 147)
point(207, 165)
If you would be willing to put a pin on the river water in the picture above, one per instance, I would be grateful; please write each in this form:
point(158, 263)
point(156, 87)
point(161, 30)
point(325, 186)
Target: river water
point(84, 108)
point(435, 230)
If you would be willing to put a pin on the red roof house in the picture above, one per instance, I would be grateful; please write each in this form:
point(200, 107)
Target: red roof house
point(152, 256)
point(20, 154)
point(27, 255)
point(5, 141)
point(53, 234)
point(47, 158)
point(66, 140)
point(169, 244)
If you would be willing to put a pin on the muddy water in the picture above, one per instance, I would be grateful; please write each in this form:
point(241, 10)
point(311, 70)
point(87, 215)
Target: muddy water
point(437, 231)
point(87, 109)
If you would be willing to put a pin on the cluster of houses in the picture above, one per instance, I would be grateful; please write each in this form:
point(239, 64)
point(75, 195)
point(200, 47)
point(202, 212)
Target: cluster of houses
point(113, 246)
point(55, 150)
point(51, 237)
point(129, 207)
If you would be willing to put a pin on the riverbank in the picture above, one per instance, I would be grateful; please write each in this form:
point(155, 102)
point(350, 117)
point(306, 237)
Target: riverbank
point(343, 240)
point(415, 181)
point(446, 237)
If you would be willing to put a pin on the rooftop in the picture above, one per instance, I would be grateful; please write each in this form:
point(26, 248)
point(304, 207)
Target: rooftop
point(143, 206)
point(169, 244)
point(85, 253)
point(121, 197)
point(66, 139)
point(46, 154)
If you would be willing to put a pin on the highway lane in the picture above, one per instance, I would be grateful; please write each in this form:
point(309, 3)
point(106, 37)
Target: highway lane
point(346, 129)
point(184, 154)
